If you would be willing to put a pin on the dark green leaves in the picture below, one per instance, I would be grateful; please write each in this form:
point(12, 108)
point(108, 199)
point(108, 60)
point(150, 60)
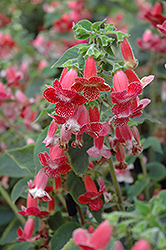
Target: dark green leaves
point(156, 171)
point(55, 221)
point(10, 168)
point(23, 157)
point(57, 241)
point(75, 185)
point(154, 143)
point(79, 158)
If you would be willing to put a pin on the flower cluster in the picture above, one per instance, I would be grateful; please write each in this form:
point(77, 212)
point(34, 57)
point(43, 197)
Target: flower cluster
point(80, 133)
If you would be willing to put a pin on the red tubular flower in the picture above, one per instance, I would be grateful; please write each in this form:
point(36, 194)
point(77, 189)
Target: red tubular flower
point(51, 204)
point(13, 76)
point(97, 241)
point(95, 128)
point(149, 41)
point(92, 196)
point(132, 77)
point(28, 231)
point(91, 83)
point(67, 78)
point(99, 149)
point(120, 157)
point(128, 55)
point(64, 24)
point(51, 138)
point(58, 183)
point(38, 189)
point(32, 208)
point(155, 15)
point(53, 168)
point(142, 245)
point(66, 100)
point(124, 92)
point(162, 27)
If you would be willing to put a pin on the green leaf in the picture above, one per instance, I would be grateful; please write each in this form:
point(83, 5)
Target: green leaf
point(94, 52)
point(23, 157)
point(82, 29)
point(70, 54)
point(137, 188)
point(105, 40)
point(156, 171)
point(6, 215)
point(111, 244)
point(114, 217)
point(97, 25)
point(109, 27)
point(75, 185)
point(92, 36)
point(57, 241)
point(154, 143)
point(19, 189)
point(55, 221)
point(77, 188)
point(40, 147)
point(122, 227)
point(161, 241)
point(161, 197)
point(78, 157)
point(50, 72)
point(10, 168)
point(70, 246)
point(142, 207)
point(143, 117)
point(10, 233)
point(21, 245)
point(120, 36)
point(150, 234)
point(139, 227)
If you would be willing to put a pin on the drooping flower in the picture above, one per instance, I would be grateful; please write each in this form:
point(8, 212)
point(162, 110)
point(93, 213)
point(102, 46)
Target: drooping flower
point(124, 175)
point(162, 27)
point(132, 77)
point(38, 188)
point(124, 91)
point(51, 138)
point(149, 41)
point(32, 208)
point(91, 83)
point(99, 149)
point(155, 15)
point(14, 76)
point(97, 241)
point(26, 234)
point(53, 168)
point(120, 157)
point(92, 196)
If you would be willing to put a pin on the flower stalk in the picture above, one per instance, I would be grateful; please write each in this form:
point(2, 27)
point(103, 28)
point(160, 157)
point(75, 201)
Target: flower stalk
point(116, 184)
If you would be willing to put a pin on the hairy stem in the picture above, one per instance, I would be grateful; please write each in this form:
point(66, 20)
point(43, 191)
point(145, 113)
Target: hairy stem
point(116, 184)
